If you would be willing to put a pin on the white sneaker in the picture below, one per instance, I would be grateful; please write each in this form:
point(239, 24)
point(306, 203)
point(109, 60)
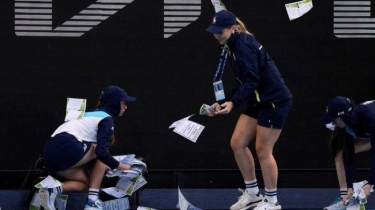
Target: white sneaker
point(266, 205)
point(337, 204)
point(246, 201)
point(93, 205)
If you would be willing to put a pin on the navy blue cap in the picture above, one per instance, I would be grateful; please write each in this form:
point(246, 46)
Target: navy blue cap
point(337, 107)
point(114, 93)
point(221, 20)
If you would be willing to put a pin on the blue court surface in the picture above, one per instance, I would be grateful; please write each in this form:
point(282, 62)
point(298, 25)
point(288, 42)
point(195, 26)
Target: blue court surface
point(290, 198)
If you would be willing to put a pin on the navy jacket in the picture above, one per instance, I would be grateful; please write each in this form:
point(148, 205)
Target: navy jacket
point(258, 78)
point(362, 122)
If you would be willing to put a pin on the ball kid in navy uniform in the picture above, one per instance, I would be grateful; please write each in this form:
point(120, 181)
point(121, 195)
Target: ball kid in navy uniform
point(260, 85)
point(354, 132)
point(77, 142)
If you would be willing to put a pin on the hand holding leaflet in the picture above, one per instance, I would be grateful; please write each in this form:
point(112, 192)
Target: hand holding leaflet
point(206, 109)
point(130, 180)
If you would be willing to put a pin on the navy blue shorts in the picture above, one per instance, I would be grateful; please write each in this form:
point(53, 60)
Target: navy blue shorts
point(269, 115)
point(63, 151)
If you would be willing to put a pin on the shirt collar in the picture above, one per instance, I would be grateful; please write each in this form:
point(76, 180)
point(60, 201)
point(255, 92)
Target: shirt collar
point(232, 40)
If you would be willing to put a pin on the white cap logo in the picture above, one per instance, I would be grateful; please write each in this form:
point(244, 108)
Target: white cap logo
point(214, 20)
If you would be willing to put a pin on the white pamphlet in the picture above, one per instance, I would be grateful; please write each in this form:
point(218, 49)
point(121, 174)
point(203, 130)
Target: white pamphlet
point(218, 5)
point(48, 182)
point(188, 129)
point(60, 202)
point(183, 204)
point(178, 122)
point(145, 208)
point(297, 9)
point(75, 108)
point(125, 159)
point(141, 181)
point(126, 186)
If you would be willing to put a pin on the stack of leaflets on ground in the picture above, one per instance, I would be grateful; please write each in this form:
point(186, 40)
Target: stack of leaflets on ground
point(358, 200)
point(129, 180)
point(47, 183)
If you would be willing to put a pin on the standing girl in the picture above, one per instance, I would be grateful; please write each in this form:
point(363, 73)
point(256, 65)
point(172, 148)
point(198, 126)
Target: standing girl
point(261, 86)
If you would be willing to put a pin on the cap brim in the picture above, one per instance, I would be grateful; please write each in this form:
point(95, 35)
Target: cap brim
point(129, 98)
point(325, 119)
point(214, 29)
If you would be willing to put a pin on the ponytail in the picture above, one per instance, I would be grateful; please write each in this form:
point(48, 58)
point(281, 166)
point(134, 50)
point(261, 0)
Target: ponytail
point(241, 27)
point(113, 140)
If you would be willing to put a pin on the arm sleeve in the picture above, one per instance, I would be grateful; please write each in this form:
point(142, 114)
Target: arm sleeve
point(230, 94)
point(247, 64)
point(349, 161)
point(105, 132)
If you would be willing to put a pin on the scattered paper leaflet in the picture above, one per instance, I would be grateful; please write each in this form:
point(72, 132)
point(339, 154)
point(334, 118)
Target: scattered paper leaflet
point(60, 202)
point(183, 204)
point(126, 186)
point(145, 208)
point(188, 129)
point(130, 180)
point(297, 9)
point(48, 182)
point(218, 5)
point(75, 108)
point(359, 198)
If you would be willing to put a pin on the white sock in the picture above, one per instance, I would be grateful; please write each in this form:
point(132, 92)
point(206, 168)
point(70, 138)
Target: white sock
point(252, 187)
point(56, 190)
point(343, 192)
point(271, 195)
point(93, 194)
point(60, 189)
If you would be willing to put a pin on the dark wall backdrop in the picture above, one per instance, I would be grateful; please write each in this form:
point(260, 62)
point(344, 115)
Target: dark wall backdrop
point(172, 78)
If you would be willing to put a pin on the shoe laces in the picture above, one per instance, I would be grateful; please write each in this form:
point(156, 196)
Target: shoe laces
point(98, 203)
point(337, 200)
point(243, 193)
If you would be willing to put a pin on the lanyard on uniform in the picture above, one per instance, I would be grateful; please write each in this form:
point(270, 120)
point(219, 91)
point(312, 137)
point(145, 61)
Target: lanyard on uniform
point(223, 59)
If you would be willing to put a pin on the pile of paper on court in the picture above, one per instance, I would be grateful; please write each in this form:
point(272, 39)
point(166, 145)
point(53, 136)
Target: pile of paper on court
point(130, 180)
point(47, 183)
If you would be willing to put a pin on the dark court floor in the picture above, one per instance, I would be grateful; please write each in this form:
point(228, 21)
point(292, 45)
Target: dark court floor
point(290, 198)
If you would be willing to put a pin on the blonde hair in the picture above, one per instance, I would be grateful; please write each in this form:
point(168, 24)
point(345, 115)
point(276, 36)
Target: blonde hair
point(241, 27)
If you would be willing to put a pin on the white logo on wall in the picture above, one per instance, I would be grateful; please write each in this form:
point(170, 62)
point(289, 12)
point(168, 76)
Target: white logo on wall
point(352, 19)
point(34, 17)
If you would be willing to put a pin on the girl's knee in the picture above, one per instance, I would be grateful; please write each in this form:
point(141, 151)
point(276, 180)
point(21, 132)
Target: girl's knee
point(263, 152)
point(236, 144)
